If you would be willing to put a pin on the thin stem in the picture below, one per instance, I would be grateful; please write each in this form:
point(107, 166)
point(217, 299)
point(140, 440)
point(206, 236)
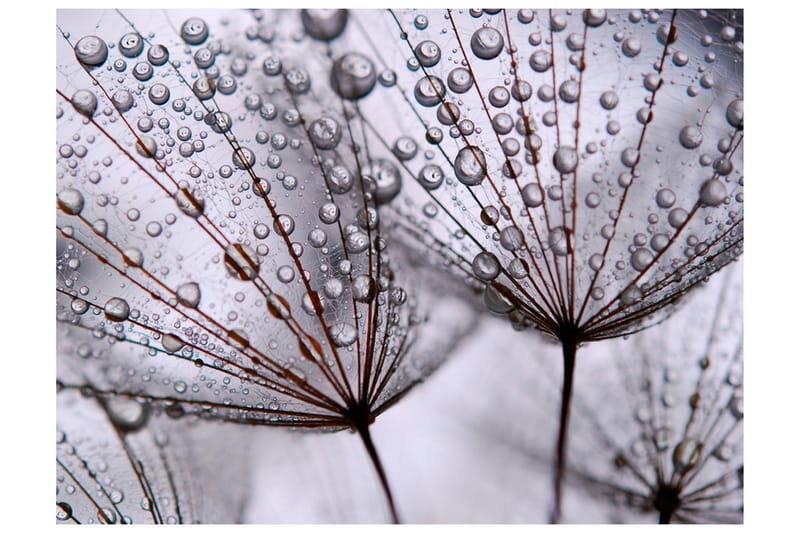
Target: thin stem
point(366, 438)
point(569, 343)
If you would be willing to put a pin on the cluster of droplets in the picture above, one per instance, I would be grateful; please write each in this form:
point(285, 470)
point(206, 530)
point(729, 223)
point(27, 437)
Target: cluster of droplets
point(250, 239)
point(579, 167)
point(535, 104)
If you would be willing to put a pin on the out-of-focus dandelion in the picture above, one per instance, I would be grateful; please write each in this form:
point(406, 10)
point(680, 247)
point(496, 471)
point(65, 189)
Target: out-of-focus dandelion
point(660, 437)
point(583, 168)
point(220, 248)
point(115, 466)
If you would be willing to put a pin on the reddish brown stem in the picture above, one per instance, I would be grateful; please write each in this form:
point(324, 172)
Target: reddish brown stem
point(569, 345)
point(363, 431)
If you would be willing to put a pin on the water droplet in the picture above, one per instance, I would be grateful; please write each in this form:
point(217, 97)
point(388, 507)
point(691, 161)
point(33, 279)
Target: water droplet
point(172, 343)
point(690, 137)
point(631, 295)
point(541, 60)
point(356, 242)
point(511, 238)
point(353, 76)
point(631, 47)
point(459, 80)
point(387, 180)
point(133, 257)
point(325, 133)
point(735, 114)
point(342, 334)
point(70, 201)
point(190, 203)
point(157, 55)
point(630, 157)
point(487, 43)
point(91, 51)
point(405, 148)
point(328, 213)
point(594, 17)
point(677, 217)
point(532, 195)
point(323, 24)
point(486, 266)
point(431, 176)
point(339, 180)
point(204, 88)
point(79, 306)
point(499, 96)
point(686, 455)
point(146, 146)
point(297, 80)
point(427, 53)
point(122, 100)
point(194, 31)
point(665, 198)
point(131, 45)
point(641, 259)
point(558, 239)
point(363, 288)
point(84, 102)
point(470, 165)
point(568, 91)
point(285, 274)
point(713, 192)
point(565, 159)
point(659, 241)
point(116, 309)
point(243, 158)
point(189, 294)
point(63, 511)
point(429, 91)
point(241, 262)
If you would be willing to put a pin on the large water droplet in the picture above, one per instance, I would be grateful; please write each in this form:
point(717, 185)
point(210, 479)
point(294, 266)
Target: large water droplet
point(84, 102)
point(565, 159)
point(241, 261)
point(641, 259)
point(532, 195)
point(387, 180)
point(172, 343)
point(116, 309)
point(487, 43)
point(735, 114)
point(429, 91)
point(189, 294)
point(363, 288)
point(194, 31)
point(353, 76)
point(190, 203)
point(431, 176)
point(558, 239)
point(342, 334)
point(91, 51)
point(427, 53)
point(459, 80)
point(690, 137)
point(325, 133)
point(486, 266)
point(323, 24)
point(713, 192)
point(70, 201)
point(131, 44)
point(470, 165)
point(686, 455)
point(297, 80)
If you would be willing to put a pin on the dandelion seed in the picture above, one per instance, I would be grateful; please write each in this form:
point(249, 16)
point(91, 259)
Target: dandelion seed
point(246, 222)
point(636, 87)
